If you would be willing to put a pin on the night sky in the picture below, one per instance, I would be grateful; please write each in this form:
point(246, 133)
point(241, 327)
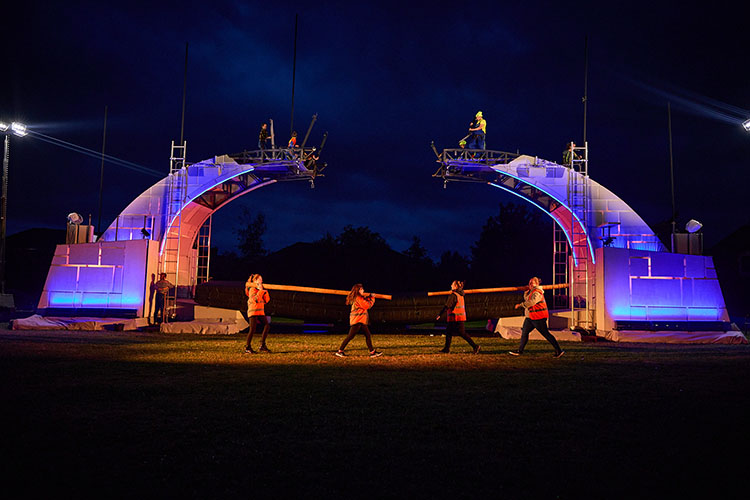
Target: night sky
point(385, 80)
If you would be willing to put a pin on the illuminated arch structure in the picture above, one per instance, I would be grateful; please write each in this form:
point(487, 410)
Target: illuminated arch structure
point(635, 283)
point(161, 225)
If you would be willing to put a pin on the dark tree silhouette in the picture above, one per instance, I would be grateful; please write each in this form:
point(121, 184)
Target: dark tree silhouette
point(250, 235)
point(514, 245)
point(453, 266)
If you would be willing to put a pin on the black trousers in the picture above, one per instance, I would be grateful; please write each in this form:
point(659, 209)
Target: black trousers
point(541, 325)
point(159, 308)
point(254, 322)
point(354, 330)
point(456, 328)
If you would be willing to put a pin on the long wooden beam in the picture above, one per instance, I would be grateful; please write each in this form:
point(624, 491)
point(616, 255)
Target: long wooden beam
point(502, 289)
point(294, 288)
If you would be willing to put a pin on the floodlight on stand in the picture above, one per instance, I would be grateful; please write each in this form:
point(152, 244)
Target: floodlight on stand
point(693, 226)
point(18, 128)
point(3, 126)
point(746, 125)
point(74, 218)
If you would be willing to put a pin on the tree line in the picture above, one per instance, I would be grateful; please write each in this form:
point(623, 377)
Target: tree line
point(512, 246)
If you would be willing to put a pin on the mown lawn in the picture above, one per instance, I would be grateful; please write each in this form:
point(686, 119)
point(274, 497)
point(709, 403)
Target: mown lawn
point(124, 414)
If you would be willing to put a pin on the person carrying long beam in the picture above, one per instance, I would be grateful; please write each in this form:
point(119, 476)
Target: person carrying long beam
point(535, 311)
point(257, 298)
point(455, 307)
point(360, 302)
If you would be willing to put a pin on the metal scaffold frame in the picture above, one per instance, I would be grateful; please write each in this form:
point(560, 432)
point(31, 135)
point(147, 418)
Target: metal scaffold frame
point(204, 252)
point(169, 261)
point(581, 273)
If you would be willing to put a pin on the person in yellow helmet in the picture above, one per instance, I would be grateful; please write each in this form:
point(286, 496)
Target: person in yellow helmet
point(478, 129)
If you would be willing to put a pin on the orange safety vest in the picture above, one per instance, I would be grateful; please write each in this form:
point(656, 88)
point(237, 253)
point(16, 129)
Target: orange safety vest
point(538, 310)
point(459, 310)
point(256, 301)
point(359, 309)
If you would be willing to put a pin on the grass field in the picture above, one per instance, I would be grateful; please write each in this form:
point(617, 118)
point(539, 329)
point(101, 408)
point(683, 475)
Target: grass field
point(125, 414)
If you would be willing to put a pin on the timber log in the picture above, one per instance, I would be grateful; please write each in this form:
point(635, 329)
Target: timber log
point(320, 307)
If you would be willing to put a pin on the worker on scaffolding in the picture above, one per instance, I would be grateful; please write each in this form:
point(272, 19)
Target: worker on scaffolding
point(478, 129)
point(570, 155)
point(161, 287)
point(263, 138)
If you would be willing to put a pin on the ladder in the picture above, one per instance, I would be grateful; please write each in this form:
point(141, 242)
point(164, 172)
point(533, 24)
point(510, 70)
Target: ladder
point(581, 290)
point(176, 192)
point(560, 276)
point(204, 252)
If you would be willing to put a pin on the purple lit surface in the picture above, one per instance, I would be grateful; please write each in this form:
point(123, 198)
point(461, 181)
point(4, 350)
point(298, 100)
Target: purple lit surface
point(657, 286)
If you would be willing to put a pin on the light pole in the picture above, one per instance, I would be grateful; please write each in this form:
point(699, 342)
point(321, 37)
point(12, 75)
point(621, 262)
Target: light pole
point(18, 129)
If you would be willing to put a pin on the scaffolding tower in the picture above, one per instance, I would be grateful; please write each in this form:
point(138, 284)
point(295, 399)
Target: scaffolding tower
point(572, 263)
point(169, 262)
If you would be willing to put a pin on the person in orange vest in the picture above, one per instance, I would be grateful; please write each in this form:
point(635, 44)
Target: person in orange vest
point(257, 298)
point(360, 302)
point(455, 308)
point(535, 311)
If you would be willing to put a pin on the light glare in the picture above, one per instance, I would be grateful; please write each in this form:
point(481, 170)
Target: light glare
point(746, 125)
point(18, 128)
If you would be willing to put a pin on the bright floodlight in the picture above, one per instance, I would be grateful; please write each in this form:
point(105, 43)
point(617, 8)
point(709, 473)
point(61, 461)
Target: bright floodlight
point(693, 225)
point(18, 128)
point(3, 126)
point(746, 125)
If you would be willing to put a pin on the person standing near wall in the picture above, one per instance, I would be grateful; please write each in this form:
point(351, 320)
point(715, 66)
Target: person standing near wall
point(358, 319)
point(455, 308)
point(257, 298)
point(535, 311)
point(161, 288)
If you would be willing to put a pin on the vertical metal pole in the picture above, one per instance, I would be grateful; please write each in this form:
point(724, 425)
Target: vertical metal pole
point(294, 74)
point(585, 86)
point(671, 170)
point(4, 211)
point(101, 175)
point(184, 93)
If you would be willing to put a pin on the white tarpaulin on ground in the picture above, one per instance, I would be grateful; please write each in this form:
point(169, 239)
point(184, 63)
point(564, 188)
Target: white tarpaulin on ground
point(514, 332)
point(37, 322)
point(667, 337)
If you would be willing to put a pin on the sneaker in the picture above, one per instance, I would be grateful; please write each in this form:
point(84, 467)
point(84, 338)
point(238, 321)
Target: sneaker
point(263, 348)
point(559, 354)
point(446, 351)
point(477, 349)
point(514, 353)
point(375, 354)
point(250, 350)
point(340, 354)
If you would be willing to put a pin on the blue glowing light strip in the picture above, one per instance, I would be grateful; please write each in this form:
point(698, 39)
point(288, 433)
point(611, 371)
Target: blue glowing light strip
point(585, 232)
point(567, 237)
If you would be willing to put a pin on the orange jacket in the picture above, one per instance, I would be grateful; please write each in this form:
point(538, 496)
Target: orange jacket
point(539, 309)
point(458, 313)
point(360, 306)
point(256, 301)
